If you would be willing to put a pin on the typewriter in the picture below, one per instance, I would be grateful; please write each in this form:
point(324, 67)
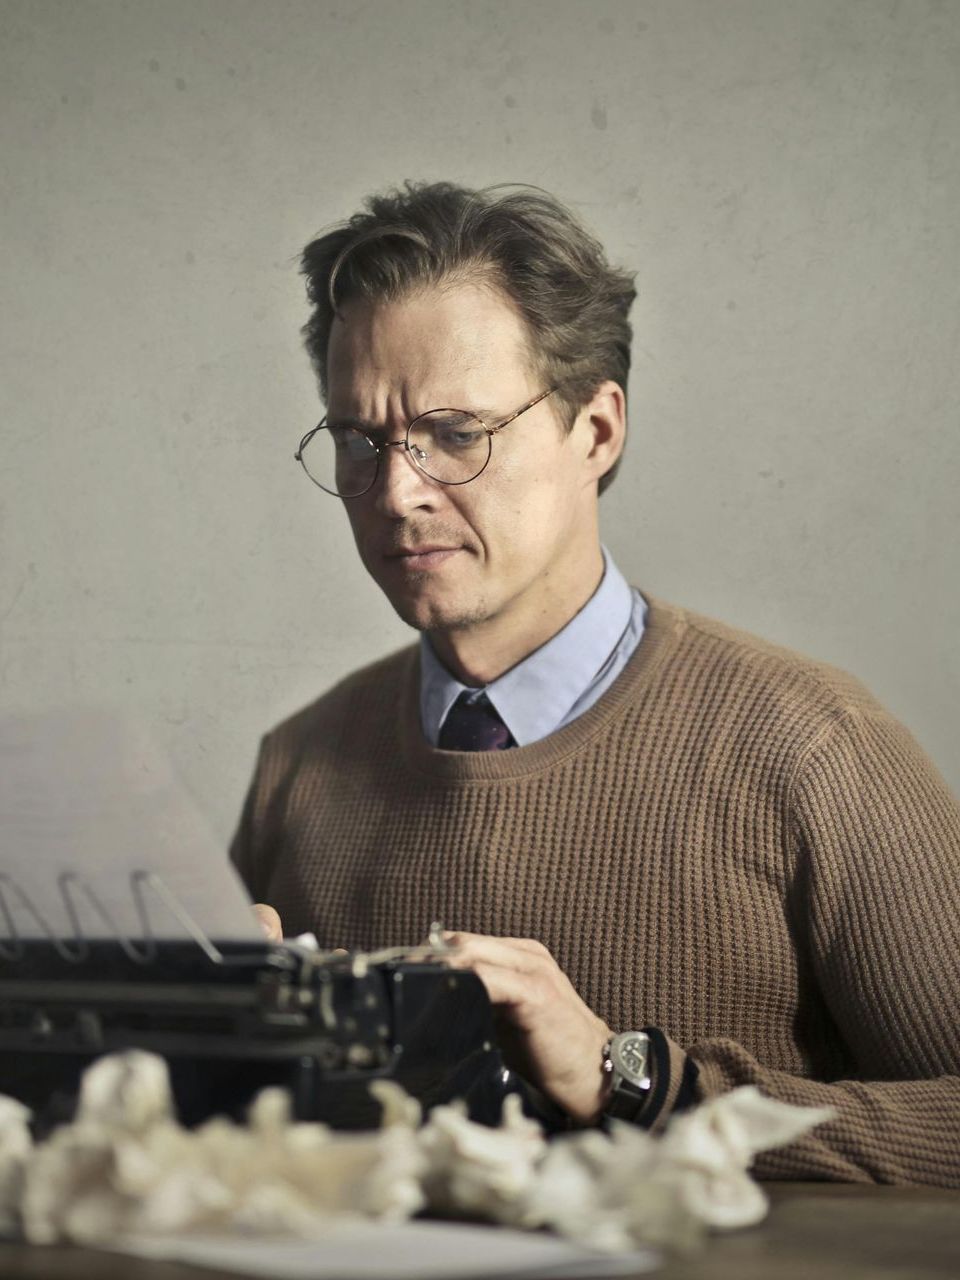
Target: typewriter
point(122, 926)
point(230, 1019)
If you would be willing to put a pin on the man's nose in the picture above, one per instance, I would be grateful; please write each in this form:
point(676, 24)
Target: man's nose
point(401, 485)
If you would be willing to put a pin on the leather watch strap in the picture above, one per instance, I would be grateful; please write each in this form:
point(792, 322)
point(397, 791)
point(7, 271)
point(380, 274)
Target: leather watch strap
point(626, 1102)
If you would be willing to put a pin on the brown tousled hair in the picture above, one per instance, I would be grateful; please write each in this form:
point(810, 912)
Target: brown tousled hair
point(574, 303)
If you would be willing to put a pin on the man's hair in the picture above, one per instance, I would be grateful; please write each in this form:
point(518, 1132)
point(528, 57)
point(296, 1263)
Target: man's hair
point(521, 240)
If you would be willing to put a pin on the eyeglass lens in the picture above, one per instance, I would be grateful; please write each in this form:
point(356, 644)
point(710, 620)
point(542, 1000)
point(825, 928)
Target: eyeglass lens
point(449, 445)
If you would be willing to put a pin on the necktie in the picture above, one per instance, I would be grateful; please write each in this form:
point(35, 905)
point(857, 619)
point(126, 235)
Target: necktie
point(472, 724)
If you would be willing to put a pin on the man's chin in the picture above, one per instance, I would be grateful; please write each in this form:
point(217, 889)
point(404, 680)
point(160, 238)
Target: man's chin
point(425, 614)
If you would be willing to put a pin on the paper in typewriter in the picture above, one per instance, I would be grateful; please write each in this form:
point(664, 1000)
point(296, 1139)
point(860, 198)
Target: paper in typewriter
point(90, 808)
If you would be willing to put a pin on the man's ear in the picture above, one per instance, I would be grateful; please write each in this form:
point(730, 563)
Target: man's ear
point(602, 423)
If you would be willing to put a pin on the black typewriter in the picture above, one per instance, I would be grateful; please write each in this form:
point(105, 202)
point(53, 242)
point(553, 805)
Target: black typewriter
point(231, 1019)
point(102, 951)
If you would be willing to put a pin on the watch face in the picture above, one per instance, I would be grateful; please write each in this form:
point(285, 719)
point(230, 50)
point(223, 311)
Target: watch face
point(628, 1053)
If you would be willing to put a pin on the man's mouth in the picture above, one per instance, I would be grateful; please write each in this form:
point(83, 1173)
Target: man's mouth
point(423, 556)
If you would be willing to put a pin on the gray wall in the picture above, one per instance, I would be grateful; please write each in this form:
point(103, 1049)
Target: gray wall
point(783, 174)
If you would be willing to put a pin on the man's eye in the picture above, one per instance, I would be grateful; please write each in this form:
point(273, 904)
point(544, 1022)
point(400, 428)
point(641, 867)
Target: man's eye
point(457, 435)
point(349, 442)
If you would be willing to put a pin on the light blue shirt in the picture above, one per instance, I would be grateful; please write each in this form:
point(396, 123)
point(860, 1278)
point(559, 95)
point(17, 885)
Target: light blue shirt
point(557, 682)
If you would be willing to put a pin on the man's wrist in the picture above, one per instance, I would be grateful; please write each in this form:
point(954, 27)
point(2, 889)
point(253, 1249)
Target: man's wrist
point(585, 1099)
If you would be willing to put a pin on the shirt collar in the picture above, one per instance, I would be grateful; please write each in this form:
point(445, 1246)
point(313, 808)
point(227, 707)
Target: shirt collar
point(534, 697)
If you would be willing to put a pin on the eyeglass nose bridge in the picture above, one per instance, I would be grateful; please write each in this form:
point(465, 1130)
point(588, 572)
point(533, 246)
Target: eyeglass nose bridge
point(418, 454)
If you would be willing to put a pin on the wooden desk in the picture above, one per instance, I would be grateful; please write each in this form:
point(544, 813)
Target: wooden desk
point(826, 1231)
point(815, 1231)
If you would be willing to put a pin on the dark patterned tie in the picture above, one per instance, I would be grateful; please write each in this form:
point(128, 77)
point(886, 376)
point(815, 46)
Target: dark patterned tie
point(472, 724)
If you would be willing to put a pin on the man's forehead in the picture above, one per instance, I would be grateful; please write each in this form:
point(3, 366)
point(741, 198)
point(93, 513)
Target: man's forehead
point(461, 342)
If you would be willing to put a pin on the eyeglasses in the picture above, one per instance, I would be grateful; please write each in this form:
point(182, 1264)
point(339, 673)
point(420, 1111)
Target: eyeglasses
point(451, 446)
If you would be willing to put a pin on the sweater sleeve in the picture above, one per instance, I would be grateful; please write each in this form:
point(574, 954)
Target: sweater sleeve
point(877, 909)
point(247, 848)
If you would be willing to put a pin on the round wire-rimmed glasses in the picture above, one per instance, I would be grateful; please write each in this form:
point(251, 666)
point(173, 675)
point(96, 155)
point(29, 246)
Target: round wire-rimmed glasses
point(451, 446)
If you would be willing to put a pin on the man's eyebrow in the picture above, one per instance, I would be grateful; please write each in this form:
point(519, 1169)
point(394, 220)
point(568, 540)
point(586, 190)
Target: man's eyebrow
point(345, 420)
point(484, 414)
point(377, 428)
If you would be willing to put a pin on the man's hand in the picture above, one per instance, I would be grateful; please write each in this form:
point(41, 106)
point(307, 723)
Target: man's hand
point(546, 1031)
point(269, 921)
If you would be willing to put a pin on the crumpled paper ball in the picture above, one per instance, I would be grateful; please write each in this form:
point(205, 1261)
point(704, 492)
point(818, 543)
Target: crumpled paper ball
point(615, 1192)
point(709, 1150)
point(125, 1167)
point(478, 1171)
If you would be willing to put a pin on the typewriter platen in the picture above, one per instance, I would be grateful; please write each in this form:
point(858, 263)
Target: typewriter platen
point(232, 1019)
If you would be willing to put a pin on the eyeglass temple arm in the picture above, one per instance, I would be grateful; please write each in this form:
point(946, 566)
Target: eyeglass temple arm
point(492, 431)
point(306, 439)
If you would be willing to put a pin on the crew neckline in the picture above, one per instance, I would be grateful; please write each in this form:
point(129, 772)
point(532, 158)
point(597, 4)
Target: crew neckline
point(664, 624)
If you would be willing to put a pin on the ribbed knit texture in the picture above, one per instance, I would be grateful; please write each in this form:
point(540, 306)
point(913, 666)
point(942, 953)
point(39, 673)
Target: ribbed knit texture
point(734, 844)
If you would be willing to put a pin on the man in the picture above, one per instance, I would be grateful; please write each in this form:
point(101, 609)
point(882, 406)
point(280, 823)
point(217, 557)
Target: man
point(679, 858)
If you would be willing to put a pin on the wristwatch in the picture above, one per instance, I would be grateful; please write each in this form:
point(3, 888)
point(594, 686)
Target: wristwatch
point(626, 1060)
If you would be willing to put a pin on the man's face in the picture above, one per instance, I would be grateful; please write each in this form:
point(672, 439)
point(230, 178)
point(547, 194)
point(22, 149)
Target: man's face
point(512, 548)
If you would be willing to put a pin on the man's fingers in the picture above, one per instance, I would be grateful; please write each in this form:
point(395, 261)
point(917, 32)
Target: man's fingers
point(544, 1028)
point(269, 921)
point(460, 937)
point(504, 986)
point(522, 954)
point(523, 980)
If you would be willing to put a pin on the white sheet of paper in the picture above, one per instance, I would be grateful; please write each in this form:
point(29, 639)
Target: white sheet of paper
point(398, 1251)
point(88, 792)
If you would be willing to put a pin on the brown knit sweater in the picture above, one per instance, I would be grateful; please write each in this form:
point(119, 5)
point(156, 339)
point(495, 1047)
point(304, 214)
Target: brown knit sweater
point(734, 844)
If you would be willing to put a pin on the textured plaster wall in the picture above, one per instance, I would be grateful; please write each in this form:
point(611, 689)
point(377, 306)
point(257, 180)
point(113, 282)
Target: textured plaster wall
point(784, 177)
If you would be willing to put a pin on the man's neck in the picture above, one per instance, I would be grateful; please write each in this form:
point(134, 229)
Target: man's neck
point(480, 653)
